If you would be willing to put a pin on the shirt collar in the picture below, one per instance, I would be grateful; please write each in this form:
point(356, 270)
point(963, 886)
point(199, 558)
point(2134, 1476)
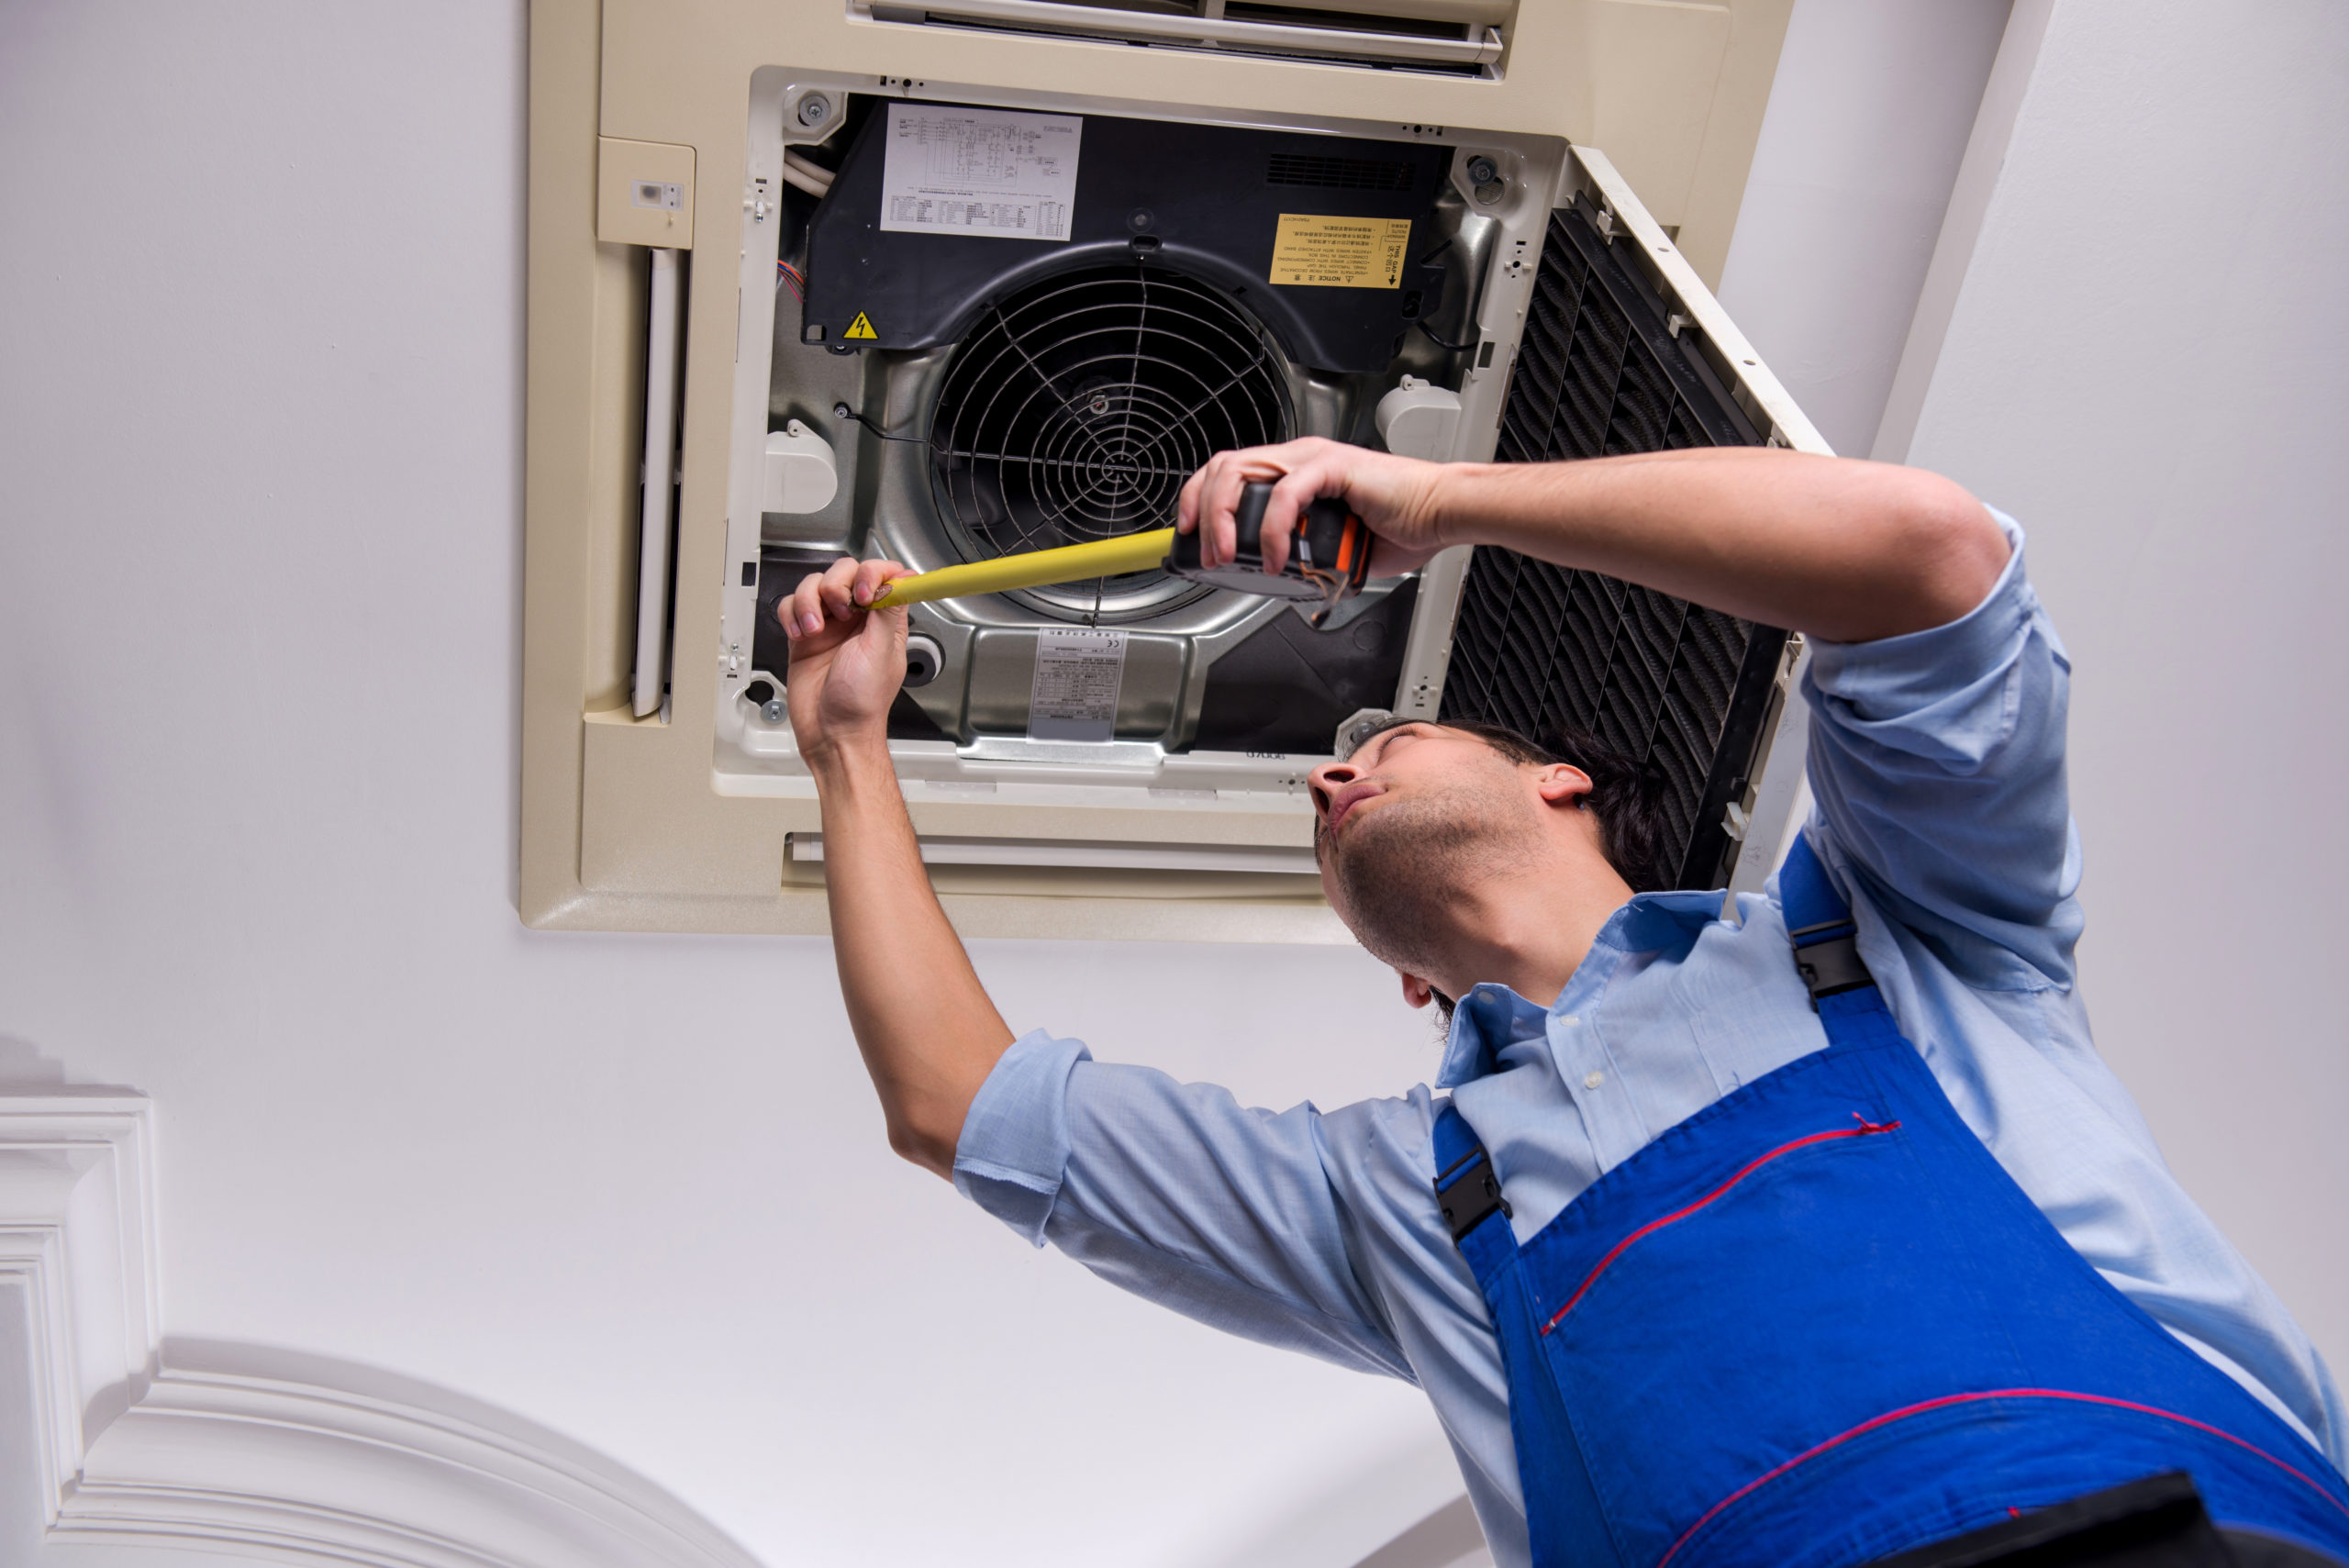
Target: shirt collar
point(1491, 1018)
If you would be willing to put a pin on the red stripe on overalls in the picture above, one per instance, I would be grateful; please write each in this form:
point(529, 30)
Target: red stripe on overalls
point(1948, 1399)
point(1862, 1130)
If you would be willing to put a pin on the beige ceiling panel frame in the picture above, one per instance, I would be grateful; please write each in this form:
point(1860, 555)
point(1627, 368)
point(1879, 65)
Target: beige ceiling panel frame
point(1647, 55)
point(1613, 74)
point(644, 193)
point(624, 825)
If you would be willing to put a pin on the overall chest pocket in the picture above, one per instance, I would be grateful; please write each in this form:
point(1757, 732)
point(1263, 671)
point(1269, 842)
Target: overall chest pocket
point(1700, 1343)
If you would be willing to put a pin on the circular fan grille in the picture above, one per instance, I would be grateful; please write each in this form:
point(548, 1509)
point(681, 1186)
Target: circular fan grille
point(1075, 410)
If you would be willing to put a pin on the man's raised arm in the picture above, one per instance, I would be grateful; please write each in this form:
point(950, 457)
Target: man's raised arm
point(929, 1033)
point(1847, 551)
point(1850, 552)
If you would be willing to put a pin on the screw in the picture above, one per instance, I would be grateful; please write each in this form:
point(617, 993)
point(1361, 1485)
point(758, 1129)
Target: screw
point(774, 711)
point(1482, 170)
point(814, 110)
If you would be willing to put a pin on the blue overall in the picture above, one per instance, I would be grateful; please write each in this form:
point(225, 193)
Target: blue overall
point(1816, 1323)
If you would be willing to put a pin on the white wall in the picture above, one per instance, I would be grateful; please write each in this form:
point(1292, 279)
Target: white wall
point(2146, 365)
point(1868, 118)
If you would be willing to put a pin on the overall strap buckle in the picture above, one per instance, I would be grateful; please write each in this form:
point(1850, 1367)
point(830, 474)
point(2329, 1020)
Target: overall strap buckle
point(1828, 962)
point(1826, 943)
point(1468, 1192)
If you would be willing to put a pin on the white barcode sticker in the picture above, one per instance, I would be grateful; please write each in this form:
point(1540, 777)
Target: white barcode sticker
point(660, 195)
point(990, 172)
point(1079, 671)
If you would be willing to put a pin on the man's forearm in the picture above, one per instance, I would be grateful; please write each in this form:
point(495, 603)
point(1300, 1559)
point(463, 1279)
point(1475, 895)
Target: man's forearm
point(1850, 552)
point(928, 1030)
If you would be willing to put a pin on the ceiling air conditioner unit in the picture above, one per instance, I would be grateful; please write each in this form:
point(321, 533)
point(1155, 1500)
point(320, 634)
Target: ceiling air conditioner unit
point(791, 303)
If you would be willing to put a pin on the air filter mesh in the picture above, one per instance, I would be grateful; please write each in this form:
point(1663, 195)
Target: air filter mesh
point(1536, 646)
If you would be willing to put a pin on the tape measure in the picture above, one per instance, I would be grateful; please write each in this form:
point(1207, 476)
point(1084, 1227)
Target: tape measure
point(1328, 559)
point(1329, 555)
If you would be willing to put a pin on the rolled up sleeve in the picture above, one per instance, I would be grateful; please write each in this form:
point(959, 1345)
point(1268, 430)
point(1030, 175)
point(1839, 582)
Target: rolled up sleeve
point(1937, 761)
point(1015, 1136)
point(1178, 1193)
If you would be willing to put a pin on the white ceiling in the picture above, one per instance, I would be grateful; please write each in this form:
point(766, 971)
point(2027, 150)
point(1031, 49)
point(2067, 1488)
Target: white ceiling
point(259, 429)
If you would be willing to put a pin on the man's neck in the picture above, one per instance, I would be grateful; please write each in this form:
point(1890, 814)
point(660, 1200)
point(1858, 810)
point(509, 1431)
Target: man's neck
point(1529, 930)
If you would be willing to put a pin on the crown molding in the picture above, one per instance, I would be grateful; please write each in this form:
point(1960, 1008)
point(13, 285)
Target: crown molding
point(77, 1235)
point(297, 1469)
point(145, 1440)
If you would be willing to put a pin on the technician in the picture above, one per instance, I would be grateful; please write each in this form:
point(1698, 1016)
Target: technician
point(1815, 1235)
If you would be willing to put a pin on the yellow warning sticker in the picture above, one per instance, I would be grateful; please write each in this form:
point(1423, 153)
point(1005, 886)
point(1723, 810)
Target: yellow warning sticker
point(1340, 253)
point(861, 327)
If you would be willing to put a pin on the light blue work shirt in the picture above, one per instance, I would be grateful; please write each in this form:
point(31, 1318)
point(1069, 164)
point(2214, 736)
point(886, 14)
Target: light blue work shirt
point(1937, 763)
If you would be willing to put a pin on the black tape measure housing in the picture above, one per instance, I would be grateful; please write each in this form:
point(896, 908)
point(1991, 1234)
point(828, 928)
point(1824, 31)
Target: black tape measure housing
point(1329, 558)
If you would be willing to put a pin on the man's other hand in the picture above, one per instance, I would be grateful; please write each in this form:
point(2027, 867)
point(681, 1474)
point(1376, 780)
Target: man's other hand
point(1395, 497)
point(847, 662)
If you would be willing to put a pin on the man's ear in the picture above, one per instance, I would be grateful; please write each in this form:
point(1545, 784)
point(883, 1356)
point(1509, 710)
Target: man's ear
point(1417, 993)
point(1562, 783)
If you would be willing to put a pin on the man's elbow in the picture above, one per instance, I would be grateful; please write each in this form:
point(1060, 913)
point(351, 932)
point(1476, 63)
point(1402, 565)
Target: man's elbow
point(922, 1145)
point(1958, 550)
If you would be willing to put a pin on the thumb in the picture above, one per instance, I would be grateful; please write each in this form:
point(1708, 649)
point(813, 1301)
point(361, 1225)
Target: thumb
point(884, 631)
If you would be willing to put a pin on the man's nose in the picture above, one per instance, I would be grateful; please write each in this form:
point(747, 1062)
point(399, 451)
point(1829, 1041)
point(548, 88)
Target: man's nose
point(1326, 781)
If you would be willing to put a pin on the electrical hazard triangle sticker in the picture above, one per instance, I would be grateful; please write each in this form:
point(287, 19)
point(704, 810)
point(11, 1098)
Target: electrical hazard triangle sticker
point(861, 327)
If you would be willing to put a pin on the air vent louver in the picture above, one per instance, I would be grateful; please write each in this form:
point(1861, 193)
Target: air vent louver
point(1465, 36)
point(1075, 409)
point(1340, 174)
point(1537, 646)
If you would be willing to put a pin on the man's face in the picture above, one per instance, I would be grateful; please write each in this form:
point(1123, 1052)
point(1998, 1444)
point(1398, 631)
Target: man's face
point(1416, 812)
point(1393, 766)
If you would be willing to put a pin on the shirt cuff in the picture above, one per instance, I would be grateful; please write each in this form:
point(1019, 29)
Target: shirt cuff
point(1895, 677)
point(1015, 1138)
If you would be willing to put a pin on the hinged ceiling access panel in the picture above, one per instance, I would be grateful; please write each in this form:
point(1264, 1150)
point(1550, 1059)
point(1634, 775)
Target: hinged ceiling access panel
point(1605, 367)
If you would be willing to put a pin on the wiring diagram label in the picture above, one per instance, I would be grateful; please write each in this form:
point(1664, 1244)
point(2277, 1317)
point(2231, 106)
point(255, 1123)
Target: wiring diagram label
point(983, 171)
point(1340, 253)
point(1079, 671)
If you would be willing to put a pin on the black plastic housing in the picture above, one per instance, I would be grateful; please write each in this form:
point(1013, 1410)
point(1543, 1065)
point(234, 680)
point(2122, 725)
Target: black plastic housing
point(1205, 201)
point(1329, 558)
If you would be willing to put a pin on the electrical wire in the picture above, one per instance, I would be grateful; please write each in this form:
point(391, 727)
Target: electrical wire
point(843, 411)
point(785, 272)
point(794, 159)
point(794, 176)
point(1443, 342)
point(1428, 260)
point(806, 174)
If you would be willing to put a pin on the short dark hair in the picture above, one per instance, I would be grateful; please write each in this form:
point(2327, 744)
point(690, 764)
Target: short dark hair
point(1627, 794)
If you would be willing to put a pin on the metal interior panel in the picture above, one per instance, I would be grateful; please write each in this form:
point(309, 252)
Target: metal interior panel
point(1003, 674)
point(1040, 396)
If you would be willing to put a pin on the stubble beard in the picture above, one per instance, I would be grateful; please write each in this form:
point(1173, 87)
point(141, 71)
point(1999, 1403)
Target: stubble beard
point(1396, 871)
